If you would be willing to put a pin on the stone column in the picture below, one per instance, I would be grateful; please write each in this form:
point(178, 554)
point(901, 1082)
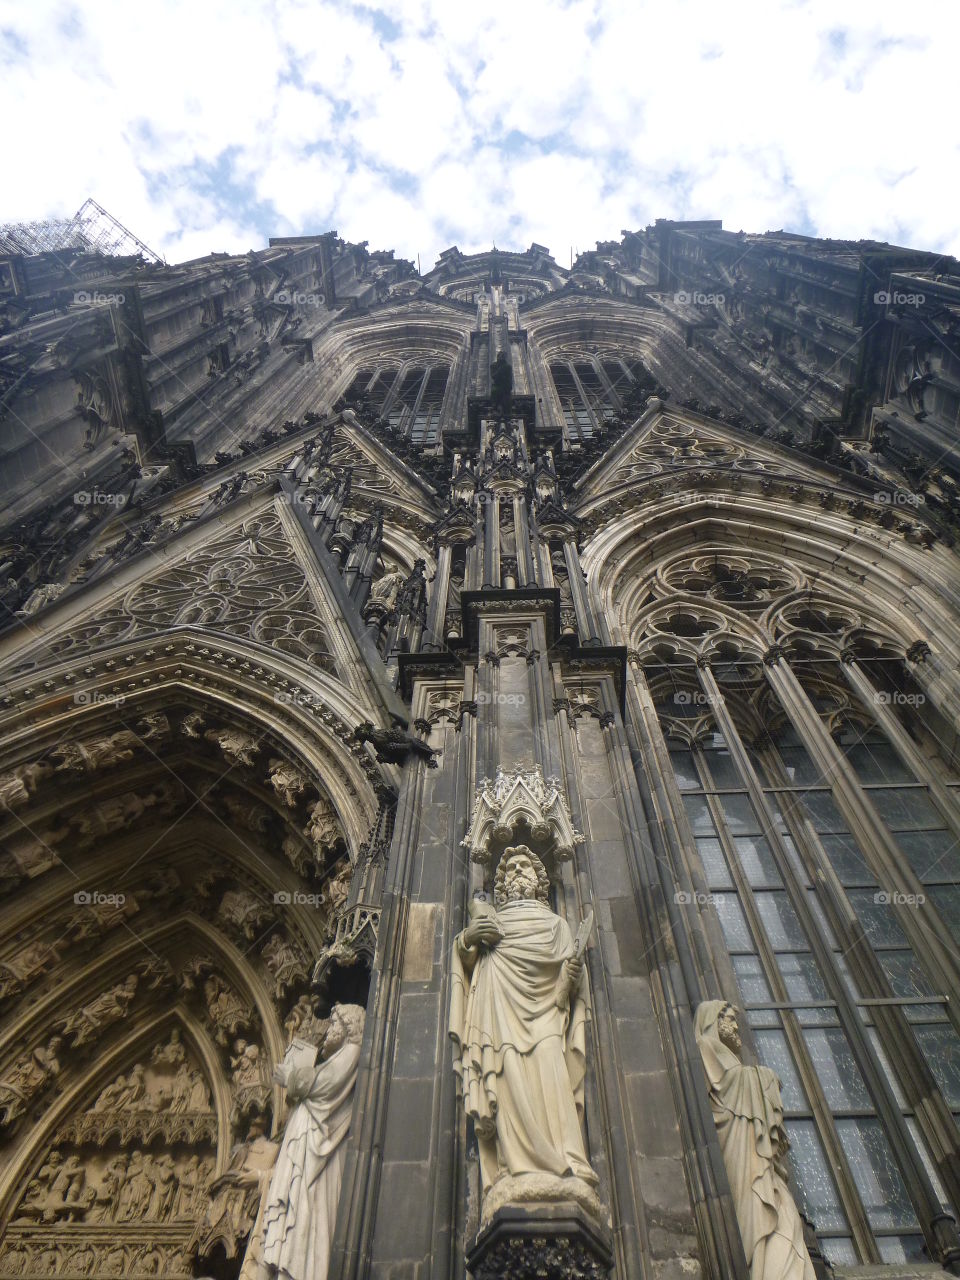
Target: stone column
point(437, 607)
point(586, 623)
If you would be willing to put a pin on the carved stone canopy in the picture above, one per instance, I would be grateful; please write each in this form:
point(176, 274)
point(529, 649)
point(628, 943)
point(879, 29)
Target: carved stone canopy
point(521, 802)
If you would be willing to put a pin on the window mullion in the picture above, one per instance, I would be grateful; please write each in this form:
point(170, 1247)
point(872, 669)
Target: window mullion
point(823, 1117)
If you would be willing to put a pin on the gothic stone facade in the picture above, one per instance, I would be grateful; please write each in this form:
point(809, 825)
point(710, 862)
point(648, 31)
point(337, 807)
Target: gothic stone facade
point(299, 549)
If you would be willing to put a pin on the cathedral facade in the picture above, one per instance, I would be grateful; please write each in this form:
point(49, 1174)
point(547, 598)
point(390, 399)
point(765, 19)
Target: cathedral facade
point(430, 706)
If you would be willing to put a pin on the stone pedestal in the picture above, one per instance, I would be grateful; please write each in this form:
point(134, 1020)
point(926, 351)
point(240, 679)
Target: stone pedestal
point(549, 1242)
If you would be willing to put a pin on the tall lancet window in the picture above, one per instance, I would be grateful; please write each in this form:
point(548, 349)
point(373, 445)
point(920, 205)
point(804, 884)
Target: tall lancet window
point(591, 389)
point(835, 933)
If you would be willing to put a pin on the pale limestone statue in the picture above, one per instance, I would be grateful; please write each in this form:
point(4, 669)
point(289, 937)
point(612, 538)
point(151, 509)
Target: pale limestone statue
point(299, 1212)
point(749, 1117)
point(518, 1014)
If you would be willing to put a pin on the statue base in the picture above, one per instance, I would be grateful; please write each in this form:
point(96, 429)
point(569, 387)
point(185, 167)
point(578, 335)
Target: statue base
point(546, 1242)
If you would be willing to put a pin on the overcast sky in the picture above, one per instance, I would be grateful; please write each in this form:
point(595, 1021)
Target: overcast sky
point(417, 124)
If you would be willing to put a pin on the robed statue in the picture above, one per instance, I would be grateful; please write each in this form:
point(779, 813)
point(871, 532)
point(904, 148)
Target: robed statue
point(748, 1112)
point(300, 1208)
point(518, 1016)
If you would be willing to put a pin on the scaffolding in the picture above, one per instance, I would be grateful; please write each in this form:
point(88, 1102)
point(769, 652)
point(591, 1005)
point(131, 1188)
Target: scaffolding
point(91, 230)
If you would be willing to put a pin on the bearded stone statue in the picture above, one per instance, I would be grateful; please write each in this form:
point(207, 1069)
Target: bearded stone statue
point(748, 1112)
point(299, 1211)
point(518, 1015)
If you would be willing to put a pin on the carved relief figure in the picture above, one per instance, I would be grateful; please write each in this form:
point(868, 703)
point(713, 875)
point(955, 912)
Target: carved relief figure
point(323, 828)
point(251, 1081)
point(96, 753)
point(285, 963)
point(27, 963)
point(189, 1091)
point(748, 1112)
point(20, 784)
point(89, 1021)
point(337, 889)
point(244, 911)
point(289, 783)
point(238, 747)
point(27, 1077)
point(299, 1214)
point(227, 1011)
point(172, 1053)
point(518, 1015)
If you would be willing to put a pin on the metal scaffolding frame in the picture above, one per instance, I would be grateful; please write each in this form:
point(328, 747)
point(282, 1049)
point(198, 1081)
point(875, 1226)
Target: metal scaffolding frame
point(91, 230)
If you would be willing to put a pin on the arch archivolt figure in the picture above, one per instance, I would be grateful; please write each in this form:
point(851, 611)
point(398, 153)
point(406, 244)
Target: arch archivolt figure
point(180, 844)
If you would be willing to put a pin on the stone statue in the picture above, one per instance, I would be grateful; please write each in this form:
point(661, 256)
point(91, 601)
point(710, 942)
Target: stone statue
point(227, 1011)
point(89, 1021)
point(239, 748)
point(749, 1117)
point(250, 1078)
point(287, 781)
point(518, 1014)
point(28, 1077)
point(300, 1209)
point(172, 1053)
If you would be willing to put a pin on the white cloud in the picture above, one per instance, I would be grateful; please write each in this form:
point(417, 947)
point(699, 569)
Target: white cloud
point(418, 123)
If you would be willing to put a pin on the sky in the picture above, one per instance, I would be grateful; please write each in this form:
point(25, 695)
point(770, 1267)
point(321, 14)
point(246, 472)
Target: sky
point(418, 124)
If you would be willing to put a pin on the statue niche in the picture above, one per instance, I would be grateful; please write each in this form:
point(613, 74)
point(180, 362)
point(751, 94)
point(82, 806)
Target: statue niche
point(748, 1112)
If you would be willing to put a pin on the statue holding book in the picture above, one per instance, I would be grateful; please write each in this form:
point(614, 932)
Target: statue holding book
point(298, 1214)
point(518, 1018)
